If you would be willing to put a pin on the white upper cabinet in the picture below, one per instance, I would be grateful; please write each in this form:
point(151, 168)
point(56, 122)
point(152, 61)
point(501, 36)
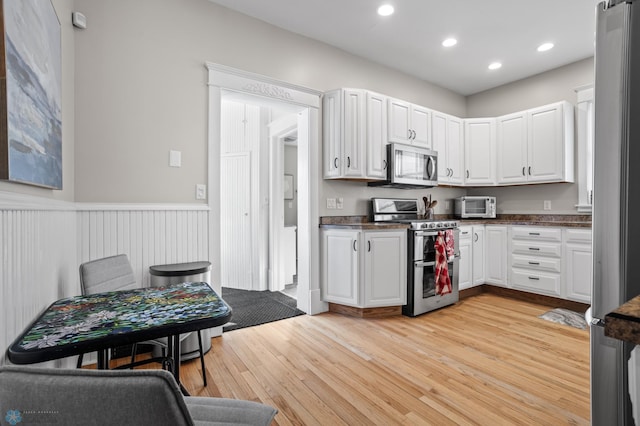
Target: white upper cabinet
point(376, 144)
point(409, 123)
point(354, 141)
point(447, 138)
point(512, 148)
point(479, 151)
point(536, 146)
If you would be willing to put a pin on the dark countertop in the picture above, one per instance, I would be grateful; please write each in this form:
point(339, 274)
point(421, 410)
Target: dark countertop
point(624, 322)
point(363, 222)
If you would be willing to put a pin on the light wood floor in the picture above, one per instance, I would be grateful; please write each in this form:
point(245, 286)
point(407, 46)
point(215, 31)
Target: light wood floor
point(486, 360)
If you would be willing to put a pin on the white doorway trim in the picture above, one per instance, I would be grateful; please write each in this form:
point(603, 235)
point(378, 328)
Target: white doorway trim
point(222, 77)
point(278, 130)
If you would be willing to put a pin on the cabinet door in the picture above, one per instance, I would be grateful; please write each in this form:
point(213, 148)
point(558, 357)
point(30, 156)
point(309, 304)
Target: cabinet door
point(546, 144)
point(420, 124)
point(465, 265)
point(439, 127)
point(496, 255)
point(353, 133)
point(511, 148)
point(340, 266)
point(332, 137)
point(455, 150)
point(479, 155)
point(376, 136)
point(385, 268)
point(578, 261)
point(477, 253)
point(399, 116)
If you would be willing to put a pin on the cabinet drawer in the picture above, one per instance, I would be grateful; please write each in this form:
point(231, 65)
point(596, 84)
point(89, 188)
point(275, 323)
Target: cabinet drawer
point(534, 248)
point(465, 232)
point(536, 263)
point(578, 236)
point(536, 233)
point(536, 282)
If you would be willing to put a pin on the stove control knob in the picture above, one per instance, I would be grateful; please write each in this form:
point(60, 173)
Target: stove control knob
point(431, 225)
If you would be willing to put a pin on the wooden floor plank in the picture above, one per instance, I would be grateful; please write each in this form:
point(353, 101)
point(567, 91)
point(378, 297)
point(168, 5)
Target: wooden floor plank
point(486, 360)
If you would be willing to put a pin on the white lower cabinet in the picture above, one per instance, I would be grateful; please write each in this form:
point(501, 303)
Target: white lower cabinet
point(364, 268)
point(536, 260)
point(578, 265)
point(478, 254)
point(465, 264)
point(471, 264)
point(496, 255)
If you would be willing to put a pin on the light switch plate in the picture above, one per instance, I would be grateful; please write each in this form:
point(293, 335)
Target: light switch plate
point(175, 158)
point(201, 192)
point(340, 203)
point(547, 204)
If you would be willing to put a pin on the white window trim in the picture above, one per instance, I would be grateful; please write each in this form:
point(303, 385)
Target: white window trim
point(585, 133)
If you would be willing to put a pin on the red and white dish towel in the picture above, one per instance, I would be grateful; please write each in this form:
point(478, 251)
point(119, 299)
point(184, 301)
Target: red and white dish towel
point(443, 282)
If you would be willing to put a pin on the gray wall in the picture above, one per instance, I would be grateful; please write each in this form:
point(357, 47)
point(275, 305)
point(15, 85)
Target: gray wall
point(552, 86)
point(141, 90)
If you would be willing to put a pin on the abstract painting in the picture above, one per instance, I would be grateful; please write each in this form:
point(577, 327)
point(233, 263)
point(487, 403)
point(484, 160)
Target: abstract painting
point(30, 94)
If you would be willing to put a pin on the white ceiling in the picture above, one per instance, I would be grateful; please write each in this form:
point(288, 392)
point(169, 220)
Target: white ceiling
point(410, 40)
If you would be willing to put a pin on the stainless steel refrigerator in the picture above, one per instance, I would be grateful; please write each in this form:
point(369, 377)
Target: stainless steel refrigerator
point(616, 209)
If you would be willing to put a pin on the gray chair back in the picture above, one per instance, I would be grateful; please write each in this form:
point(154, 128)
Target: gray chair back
point(115, 397)
point(91, 397)
point(107, 274)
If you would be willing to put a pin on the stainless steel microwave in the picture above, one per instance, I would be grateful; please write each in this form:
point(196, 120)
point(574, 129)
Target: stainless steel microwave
point(410, 167)
point(468, 207)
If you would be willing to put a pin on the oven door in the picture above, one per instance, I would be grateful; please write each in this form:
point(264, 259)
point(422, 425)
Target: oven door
point(424, 246)
point(422, 295)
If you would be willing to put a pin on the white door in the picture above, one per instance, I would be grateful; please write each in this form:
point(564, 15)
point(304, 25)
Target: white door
point(439, 139)
point(478, 255)
point(479, 151)
point(376, 136)
point(385, 268)
point(455, 150)
point(399, 121)
point(421, 126)
point(235, 208)
point(546, 145)
point(512, 148)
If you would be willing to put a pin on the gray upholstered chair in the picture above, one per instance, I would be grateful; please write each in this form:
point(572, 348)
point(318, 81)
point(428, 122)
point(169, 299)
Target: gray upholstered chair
point(115, 397)
point(115, 273)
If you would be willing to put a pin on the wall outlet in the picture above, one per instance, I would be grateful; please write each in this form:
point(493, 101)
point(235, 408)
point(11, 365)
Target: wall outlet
point(201, 192)
point(331, 203)
point(547, 204)
point(340, 203)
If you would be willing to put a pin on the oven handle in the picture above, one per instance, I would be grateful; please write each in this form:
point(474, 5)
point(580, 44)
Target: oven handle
point(423, 264)
point(426, 233)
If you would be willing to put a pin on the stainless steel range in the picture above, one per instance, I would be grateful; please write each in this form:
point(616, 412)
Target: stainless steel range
point(421, 273)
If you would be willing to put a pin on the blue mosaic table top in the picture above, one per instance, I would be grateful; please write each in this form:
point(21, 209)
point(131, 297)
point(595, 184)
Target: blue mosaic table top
point(83, 323)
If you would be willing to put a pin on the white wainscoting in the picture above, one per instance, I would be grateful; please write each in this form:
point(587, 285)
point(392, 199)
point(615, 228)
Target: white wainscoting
point(43, 242)
point(148, 235)
point(39, 260)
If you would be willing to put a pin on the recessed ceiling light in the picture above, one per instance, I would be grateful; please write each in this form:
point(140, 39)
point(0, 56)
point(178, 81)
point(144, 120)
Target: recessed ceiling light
point(385, 10)
point(544, 47)
point(495, 65)
point(450, 42)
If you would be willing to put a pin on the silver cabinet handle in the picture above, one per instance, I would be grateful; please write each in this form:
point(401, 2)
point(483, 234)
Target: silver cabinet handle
point(529, 170)
point(354, 245)
point(335, 162)
point(467, 174)
point(464, 232)
point(524, 173)
point(409, 131)
point(534, 278)
point(534, 233)
point(534, 263)
point(348, 162)
point(475, 234)
point(414, 134)
point(534, 248)
point(384, 164)
point(368, 245)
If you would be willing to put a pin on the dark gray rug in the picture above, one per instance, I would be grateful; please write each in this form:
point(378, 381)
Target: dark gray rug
point(257, 307)
point(565, 317)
